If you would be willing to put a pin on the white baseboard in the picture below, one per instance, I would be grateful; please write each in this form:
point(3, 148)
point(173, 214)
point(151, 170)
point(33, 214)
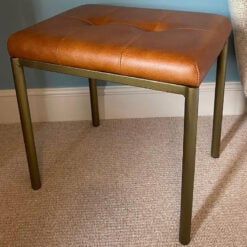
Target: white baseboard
point(72, 104)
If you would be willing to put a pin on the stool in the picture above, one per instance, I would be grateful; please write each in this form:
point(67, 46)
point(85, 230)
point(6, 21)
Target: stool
point(163, 50)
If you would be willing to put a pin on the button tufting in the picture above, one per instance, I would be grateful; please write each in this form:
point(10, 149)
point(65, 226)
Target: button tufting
point(162, 45)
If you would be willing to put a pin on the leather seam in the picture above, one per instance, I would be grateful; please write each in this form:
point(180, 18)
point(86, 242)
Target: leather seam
point(126, 47)
point(197, 73)
point(110, 13)
point(191, 29)
point(88, 21)
point(59, 46)
point(159, 21)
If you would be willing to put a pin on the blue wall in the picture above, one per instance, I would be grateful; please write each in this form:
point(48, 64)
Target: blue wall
point(17, 14)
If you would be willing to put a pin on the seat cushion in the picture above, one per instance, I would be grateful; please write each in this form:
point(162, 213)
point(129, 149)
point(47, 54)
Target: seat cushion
point(164, 45)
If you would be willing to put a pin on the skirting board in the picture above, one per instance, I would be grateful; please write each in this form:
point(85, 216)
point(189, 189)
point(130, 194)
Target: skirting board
point(73, 104)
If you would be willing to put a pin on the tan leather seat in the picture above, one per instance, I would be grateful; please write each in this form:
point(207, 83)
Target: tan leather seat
point(163, 45)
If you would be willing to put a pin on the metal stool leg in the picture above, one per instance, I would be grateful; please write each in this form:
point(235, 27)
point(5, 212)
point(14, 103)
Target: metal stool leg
point(189, 152)
point(21, 94)
point(218, 101)
point(94, 102)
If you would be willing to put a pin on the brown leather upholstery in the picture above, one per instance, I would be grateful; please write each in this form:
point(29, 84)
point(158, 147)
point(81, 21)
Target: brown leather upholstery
point(164, 45)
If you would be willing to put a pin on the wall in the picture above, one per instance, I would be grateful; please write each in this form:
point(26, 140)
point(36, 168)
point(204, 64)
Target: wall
point(16, 14)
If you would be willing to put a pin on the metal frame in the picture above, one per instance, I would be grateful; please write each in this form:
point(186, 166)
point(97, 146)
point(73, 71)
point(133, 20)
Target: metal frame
point(218, 101)
point(190, 120)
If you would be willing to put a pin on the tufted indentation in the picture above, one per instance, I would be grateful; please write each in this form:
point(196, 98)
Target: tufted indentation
point(153, 29)
point(163, 45)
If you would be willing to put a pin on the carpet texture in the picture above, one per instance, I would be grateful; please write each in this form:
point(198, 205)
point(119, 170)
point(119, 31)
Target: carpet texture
point(119, 185)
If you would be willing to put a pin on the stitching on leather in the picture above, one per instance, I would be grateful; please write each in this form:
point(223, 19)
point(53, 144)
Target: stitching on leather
point(197, 72)
point(88, 21)
point(59, 43)
point(82, 20)
point(110, 13)
point(123, 24)
point(165, 16)
point(190, 28)
point(126, 47)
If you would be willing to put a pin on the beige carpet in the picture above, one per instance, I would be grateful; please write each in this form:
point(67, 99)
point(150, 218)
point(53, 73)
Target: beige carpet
point(119, 185)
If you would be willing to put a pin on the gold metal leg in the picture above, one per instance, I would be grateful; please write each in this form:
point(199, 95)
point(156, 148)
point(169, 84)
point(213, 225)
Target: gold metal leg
point(21, 93)
point(94, 102)
point(218, 101)
point(189, 153)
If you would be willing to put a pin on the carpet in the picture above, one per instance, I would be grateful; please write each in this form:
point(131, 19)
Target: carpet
point(119, 185)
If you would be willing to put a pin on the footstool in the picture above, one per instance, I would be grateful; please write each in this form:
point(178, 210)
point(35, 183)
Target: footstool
point(163, 50)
